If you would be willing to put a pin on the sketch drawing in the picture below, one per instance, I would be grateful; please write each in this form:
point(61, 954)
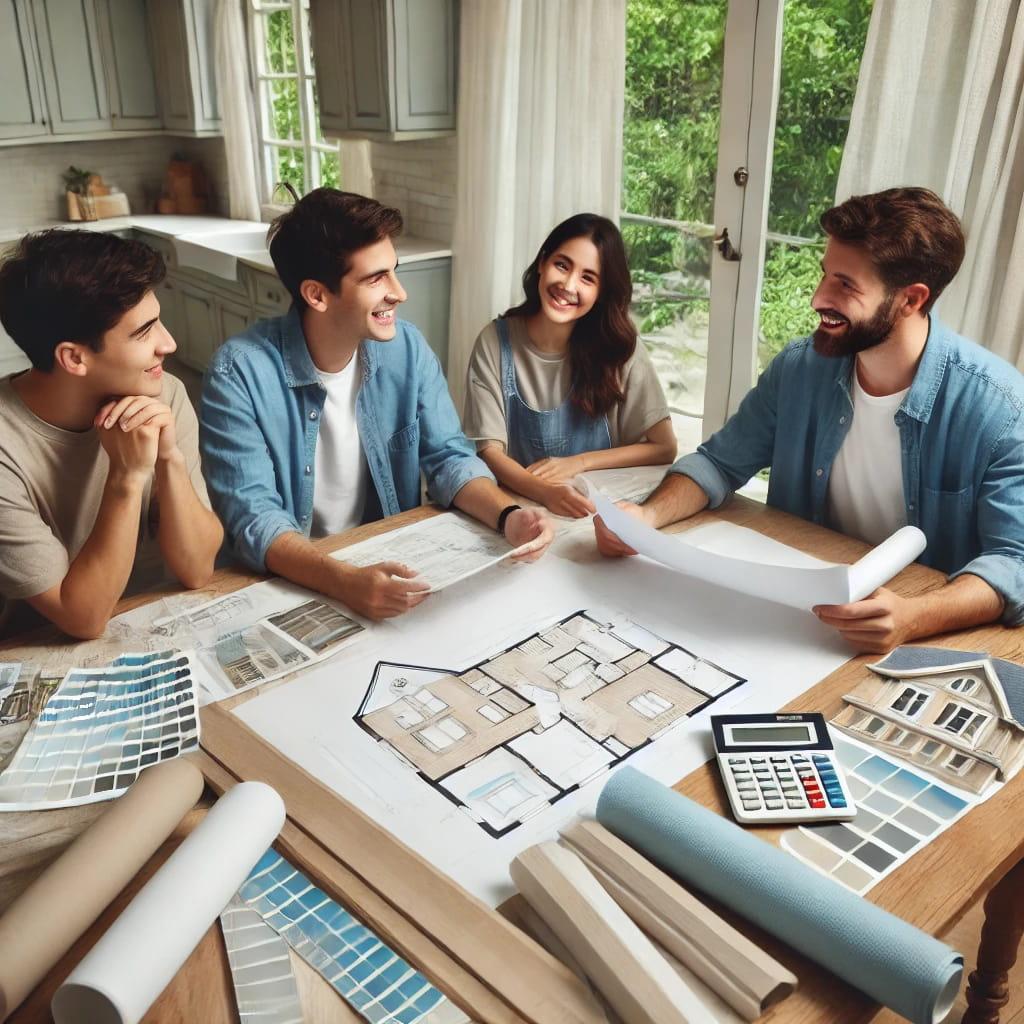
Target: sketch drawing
point(513, 734)
point(956, 714)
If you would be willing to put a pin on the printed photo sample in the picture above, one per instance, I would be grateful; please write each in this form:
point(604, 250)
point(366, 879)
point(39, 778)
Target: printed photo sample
point(510, 736)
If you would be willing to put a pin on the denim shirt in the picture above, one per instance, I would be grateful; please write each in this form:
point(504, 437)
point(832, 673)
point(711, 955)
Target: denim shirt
point(961, 437)
point(259, 418)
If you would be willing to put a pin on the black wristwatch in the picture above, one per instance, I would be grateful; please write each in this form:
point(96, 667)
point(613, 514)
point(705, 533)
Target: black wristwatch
point(505, 513)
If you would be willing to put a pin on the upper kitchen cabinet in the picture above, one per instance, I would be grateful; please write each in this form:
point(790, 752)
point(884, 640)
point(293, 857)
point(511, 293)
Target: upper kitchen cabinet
point(385, 68)
point(69, 51)
point(124, 34)
point(183, 31)
point(22, 110)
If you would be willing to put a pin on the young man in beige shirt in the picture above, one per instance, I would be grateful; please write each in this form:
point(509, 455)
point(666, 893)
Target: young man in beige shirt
point(99, 460)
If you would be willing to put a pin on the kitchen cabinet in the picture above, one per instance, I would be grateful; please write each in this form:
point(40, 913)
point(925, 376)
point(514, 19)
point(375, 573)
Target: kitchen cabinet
point(128, 62)
point(385, 68)
point(72, 65)
point(186, 84)
point(22, 107)
point(428, 287)
point(200, 328)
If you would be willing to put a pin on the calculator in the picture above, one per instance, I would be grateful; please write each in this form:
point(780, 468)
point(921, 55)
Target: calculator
point(780, 769)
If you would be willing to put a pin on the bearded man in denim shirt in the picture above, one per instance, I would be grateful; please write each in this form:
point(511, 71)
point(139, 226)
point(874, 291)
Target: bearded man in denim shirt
point(323, 419)
point(883, 417)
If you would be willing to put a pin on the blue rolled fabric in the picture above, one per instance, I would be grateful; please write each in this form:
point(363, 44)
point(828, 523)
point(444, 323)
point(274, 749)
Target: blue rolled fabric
point(889, 960)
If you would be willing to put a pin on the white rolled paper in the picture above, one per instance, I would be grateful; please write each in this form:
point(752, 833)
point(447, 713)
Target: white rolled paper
point(119, 979)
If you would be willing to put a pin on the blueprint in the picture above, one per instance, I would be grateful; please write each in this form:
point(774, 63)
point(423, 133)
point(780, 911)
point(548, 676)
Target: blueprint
point(442, 550)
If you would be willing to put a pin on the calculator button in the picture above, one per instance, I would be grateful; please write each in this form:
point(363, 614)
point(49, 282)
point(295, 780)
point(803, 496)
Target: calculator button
point(791, 790)
point(795, 805)
point(737, 760)
point(773, 805)
point(751, 807)
point(778, 760)
point(821, 759)
point(816, 801)
point(741, 776)
point(757, 760)
point(746, 787)
point(836, 801)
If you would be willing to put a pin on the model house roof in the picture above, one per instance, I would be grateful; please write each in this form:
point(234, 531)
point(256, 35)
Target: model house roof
point(1010, 676)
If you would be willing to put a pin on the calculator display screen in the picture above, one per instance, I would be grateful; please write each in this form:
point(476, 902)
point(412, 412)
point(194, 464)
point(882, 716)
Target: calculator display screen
point(771, 733)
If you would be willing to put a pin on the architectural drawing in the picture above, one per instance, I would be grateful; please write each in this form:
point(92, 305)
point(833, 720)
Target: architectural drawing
point(518, 731)
point(955, 714)
point(442, 550)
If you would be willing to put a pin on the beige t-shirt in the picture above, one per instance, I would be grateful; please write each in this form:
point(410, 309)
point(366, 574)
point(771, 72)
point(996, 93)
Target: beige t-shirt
point(51, 484)
point(544, 381)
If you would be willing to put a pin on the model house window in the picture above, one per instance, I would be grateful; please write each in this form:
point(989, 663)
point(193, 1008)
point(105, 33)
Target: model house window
point(439, 736)
point(431, 705)
point(963, 684)
point(493, 714)
point(910, 702)
point(874, 726)
point(287, 116)
point(650, 704)
point(959, 763)
point(930, 750)
point(961, 720)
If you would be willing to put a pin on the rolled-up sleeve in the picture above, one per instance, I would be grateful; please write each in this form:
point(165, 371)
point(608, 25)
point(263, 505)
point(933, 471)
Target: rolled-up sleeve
point(447, 458)
point(1001, 526)
point(239, 472)
point(744, 446)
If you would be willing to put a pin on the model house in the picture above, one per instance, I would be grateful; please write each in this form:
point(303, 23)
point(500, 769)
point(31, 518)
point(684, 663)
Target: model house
point(960, 719)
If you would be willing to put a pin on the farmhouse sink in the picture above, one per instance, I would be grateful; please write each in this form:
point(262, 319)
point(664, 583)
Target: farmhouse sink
point(218, 252)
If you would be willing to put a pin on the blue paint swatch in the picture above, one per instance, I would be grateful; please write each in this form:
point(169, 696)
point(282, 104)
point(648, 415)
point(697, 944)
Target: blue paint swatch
point(373, 979)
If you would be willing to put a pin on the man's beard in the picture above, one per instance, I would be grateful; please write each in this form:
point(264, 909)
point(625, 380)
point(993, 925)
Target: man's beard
point(859, 336)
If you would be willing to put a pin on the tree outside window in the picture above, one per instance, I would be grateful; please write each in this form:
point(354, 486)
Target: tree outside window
point(294, 151)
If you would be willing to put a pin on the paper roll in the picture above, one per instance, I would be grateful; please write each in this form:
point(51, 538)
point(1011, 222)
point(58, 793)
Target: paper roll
point(42, 924)
point(891, 961)
point(131, 965)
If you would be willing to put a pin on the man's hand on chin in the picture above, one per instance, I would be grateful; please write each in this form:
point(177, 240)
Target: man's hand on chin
point(875, 625)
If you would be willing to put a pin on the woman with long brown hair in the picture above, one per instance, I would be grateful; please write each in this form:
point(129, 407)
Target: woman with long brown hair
point(559, 384)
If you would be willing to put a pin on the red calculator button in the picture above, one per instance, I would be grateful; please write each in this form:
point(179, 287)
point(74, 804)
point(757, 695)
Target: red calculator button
point(816, 801)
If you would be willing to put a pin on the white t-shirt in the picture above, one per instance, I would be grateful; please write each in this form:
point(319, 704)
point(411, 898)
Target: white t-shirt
point(865, 489)
point(342, 475)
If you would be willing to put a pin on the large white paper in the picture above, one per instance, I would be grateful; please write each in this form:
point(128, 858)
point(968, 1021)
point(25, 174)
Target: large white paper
point(320, 719)
point(798, 586)
point(443, 550)
point(125, 971)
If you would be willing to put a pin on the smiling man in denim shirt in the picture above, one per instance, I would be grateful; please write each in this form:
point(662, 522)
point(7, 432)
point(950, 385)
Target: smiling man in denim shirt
point(322, 419)
point(883, 417)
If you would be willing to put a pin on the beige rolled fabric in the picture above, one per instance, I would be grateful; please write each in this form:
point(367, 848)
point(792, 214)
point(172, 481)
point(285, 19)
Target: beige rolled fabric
point(42, 924)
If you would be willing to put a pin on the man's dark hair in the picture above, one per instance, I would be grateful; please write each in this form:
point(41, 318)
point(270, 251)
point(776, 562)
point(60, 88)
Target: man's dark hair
point(909, 235)
point(66, 285)
point(315, 239)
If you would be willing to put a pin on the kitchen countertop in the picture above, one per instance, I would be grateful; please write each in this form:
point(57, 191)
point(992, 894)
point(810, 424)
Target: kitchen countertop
point(410, 248)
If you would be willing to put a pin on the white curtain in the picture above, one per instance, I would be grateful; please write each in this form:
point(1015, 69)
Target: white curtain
point(940, 103)
point(238, 114)
point(356, 167)
point(541, 92)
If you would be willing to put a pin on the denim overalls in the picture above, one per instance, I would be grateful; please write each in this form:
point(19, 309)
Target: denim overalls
point(534, 435)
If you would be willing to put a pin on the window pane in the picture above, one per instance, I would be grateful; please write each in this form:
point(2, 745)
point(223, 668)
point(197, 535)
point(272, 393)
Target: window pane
point(285, 119)
point(279, 36)
point(290, 166)
point(822, 44)
point(330, 170)
point(674, 54)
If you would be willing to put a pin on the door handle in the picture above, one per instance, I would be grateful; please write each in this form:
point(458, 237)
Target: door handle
point(725, 247)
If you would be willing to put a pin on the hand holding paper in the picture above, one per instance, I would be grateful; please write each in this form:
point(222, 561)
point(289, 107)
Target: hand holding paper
point(796, 586)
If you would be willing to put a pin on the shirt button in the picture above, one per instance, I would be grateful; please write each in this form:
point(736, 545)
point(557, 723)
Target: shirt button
point(911, 506)
point(817, 472)
point(308, 471)
point(304, 518)
point(842, 419)
point(313, 415)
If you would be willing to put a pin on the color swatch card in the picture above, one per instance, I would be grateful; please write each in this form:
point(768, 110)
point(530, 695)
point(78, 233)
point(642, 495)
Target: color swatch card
point(99, 728)
point(899, 809)
point(373, 980)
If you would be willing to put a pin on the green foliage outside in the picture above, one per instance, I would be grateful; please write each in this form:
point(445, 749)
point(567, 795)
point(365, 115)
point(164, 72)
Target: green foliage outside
point(674, 52)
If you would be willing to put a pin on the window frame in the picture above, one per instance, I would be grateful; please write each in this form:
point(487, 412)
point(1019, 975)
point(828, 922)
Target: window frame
point(262, 77)
point(977, 719)
point(915, 693)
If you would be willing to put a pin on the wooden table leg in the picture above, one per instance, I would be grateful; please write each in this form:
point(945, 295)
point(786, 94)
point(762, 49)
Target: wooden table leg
point(987, 988)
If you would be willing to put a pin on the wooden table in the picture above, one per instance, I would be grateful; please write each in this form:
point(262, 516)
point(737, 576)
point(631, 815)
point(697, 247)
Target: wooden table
point(450, 936)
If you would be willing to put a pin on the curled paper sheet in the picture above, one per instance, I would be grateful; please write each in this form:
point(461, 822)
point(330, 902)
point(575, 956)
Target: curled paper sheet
point(797, 586)
point(49, 916)
point(133, 962)
point(893, 962)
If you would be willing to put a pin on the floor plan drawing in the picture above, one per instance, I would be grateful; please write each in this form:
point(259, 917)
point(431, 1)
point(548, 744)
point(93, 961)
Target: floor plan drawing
point(513, 734)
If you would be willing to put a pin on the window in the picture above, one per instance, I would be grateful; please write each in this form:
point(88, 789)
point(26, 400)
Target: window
point(431, 704)
point(910, 702)
point(493, 714)
point(930, 750)
point(959, 763)
point(874, 726)
point(293, 149)
point(963, 684)
point(439, 736)
point(961, 720)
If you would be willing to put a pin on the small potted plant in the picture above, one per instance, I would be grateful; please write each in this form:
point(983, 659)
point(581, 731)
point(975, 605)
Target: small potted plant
point(76, 182)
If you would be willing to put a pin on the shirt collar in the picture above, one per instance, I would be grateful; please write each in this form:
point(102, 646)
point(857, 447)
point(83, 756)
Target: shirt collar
point(299, 368)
